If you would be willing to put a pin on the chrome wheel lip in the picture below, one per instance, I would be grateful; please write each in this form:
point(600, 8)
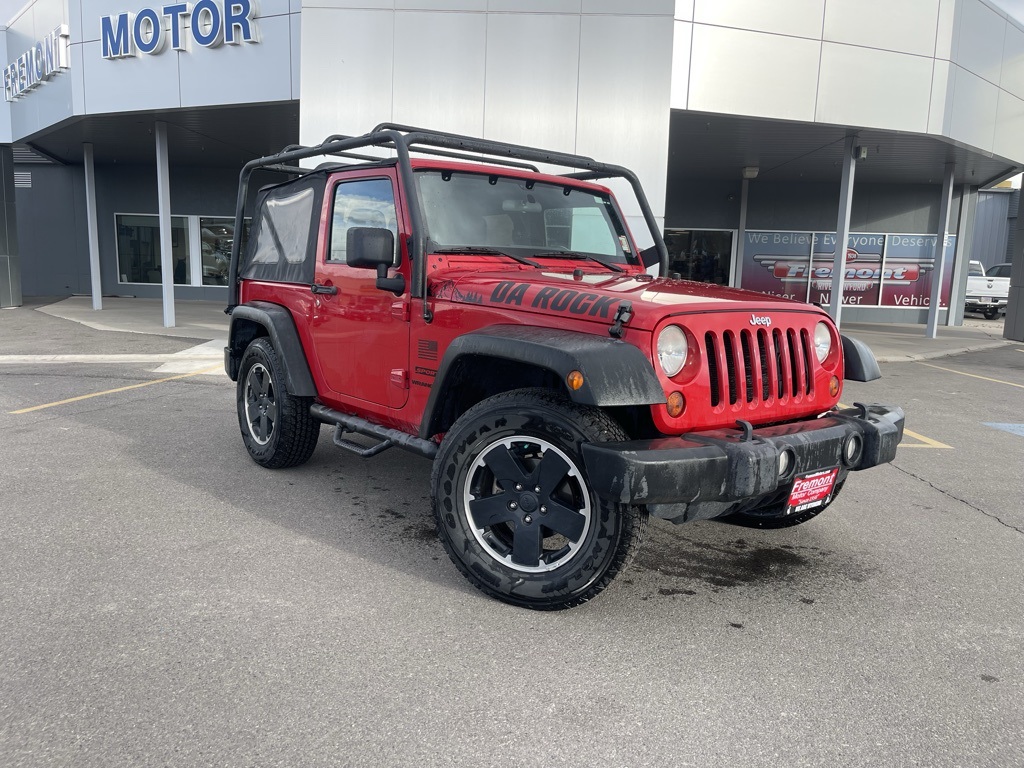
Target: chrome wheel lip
point(481, 534)
point(255, 405)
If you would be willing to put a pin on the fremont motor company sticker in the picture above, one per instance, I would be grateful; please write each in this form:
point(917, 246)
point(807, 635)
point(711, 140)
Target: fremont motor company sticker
point(812, 490)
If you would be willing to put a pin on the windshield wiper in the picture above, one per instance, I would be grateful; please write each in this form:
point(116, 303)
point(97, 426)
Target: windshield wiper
point(577, 255)
point(486, 251)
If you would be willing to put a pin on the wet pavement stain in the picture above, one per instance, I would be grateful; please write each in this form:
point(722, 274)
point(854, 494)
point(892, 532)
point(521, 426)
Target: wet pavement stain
point(990, 679)
point(727, 567)
point(739, 562)
point(669, 592)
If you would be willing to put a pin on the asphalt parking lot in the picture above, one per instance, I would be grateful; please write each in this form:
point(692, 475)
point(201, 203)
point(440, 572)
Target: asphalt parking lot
point(168, 602)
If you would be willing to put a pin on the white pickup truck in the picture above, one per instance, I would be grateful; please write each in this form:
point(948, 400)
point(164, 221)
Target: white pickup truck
point(987, 291)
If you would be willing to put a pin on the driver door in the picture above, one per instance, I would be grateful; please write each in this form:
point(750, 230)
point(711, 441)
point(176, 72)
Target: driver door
point(361, 333)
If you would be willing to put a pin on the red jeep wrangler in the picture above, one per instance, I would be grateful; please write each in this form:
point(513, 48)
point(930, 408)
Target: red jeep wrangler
point(464, 306)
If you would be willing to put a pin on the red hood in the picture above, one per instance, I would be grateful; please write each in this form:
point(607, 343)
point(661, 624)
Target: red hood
point(595, 295)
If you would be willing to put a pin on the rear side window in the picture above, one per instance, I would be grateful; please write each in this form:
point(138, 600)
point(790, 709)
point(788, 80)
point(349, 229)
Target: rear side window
point(361, 203)
point(282, 245)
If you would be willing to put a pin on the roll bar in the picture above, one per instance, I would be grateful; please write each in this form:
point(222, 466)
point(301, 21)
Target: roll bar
point(403, 140)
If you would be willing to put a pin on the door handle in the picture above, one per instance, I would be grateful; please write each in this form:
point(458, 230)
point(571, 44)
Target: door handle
point(332, 290)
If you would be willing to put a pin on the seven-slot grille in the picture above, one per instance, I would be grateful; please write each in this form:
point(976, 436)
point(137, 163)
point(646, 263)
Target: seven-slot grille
point(762, 365)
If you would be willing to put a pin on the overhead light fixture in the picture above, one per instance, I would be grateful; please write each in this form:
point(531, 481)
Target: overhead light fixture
point(750, 172)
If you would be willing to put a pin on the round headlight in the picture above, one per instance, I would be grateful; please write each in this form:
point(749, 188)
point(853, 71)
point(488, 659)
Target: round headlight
point(672, 350)
point(822, 341)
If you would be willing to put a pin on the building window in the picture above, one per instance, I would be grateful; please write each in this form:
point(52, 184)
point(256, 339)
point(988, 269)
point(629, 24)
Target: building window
point(200, 248)
point(216, 234)
point(138, 249)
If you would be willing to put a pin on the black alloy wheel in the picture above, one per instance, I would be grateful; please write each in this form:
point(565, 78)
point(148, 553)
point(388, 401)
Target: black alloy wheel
point(515, 509)
point(276, 426)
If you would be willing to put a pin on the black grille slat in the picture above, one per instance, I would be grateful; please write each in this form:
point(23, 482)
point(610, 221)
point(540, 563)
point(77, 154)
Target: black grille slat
point(781, 366)
point(730, 367)
point(766, 377)
point(709, 343)
point(808, 376)
point(796, 383)
point(749, 379)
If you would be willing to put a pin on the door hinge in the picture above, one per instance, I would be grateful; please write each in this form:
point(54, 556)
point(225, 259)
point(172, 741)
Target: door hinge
point(401, 310)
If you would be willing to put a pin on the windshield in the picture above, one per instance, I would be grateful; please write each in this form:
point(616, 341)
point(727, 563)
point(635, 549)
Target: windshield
point(519, 216)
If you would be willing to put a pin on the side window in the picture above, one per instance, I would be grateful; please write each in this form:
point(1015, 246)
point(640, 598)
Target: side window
point(361, 203)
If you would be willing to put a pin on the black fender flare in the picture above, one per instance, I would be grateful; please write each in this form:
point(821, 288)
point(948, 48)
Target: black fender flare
point(281, 330)
point(859, 362)
point(615, 372)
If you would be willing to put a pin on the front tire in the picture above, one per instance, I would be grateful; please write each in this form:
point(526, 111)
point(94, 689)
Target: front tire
point(515, 509)
point(276, 427)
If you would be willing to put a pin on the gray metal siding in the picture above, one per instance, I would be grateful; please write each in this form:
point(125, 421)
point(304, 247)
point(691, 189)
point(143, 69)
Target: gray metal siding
point(990, 229)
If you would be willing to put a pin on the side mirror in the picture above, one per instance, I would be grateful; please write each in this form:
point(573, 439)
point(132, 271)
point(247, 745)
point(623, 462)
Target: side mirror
point(374, 247)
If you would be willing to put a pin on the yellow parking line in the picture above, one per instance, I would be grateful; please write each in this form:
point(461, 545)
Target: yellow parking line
point(112, 391)
point(928, 442)
point(975, 376)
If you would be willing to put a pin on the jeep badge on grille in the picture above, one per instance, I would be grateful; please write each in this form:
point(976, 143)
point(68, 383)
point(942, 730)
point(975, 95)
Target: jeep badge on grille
point(765, 321)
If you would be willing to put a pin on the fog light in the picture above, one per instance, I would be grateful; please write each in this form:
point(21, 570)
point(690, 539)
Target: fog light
point(785, 462)
point(574, 380)
point(833, 386)
point(851, 453)
point(676, 404)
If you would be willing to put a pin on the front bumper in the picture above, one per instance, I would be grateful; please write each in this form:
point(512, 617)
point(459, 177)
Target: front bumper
point(708, 474)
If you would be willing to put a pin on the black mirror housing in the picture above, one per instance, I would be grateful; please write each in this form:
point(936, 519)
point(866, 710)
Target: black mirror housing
point(370, 247)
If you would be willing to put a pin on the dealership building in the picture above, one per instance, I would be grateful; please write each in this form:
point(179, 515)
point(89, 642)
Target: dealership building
point(764, 133)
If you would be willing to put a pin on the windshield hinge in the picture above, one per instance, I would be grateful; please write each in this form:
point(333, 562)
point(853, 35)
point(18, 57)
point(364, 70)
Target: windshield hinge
point(622, 316)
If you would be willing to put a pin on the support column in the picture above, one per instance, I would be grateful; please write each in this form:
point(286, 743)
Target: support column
point(945, 204)
point(1013, 326)
point(163, 185)
point(741, 234)
point(835, 306)
point(962, 255)
point(95, 280)
point(10, 259)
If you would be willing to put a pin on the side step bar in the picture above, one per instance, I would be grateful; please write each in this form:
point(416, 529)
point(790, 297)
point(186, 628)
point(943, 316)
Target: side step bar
point(388, 437)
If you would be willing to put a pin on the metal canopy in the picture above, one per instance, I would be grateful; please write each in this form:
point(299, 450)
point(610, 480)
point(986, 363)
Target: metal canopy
point(716, 146)
point(211, 136)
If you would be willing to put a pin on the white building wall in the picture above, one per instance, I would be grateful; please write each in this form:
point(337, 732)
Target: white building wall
point(588, 77)
point(953, 68)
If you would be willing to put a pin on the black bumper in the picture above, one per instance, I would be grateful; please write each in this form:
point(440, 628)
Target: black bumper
point(707, 474)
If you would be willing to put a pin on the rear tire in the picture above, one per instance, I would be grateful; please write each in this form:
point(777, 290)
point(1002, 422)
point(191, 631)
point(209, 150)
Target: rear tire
point(515, 509)
point(276, 427)
point(991, 314)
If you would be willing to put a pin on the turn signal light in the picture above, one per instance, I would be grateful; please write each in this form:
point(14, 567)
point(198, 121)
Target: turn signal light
point(833, 387)
point(574, 380)
point(676, 404)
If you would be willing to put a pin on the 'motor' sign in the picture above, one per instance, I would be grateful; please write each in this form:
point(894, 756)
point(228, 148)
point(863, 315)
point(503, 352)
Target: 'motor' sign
point(208, 22)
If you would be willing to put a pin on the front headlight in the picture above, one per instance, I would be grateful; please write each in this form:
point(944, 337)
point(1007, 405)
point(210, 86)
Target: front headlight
point(822, 341)
point(672, 350)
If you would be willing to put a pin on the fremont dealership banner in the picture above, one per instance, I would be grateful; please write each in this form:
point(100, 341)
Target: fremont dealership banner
point(881, 269)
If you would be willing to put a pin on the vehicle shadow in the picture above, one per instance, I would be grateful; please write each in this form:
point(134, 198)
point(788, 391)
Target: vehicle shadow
point(379, 509)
